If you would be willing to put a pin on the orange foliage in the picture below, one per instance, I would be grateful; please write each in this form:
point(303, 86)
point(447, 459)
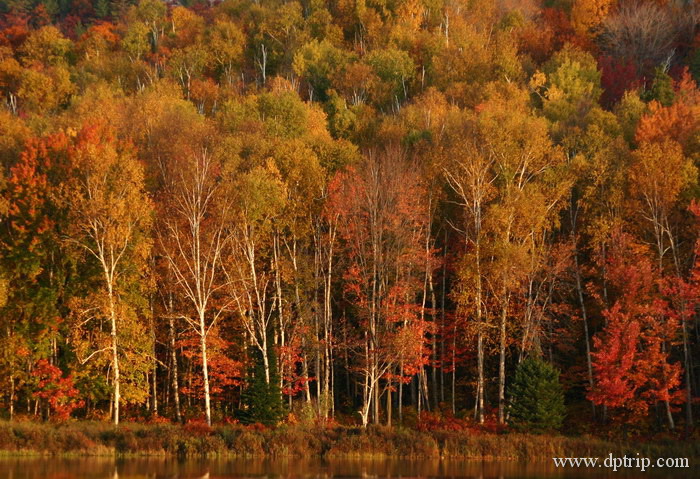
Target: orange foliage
point(678, 122)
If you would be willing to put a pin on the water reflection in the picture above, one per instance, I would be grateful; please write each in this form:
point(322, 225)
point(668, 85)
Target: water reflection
point(61, 468)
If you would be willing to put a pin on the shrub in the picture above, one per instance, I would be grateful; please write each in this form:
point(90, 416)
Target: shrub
point(434, 421)
point(536, 397)
point(197, 427)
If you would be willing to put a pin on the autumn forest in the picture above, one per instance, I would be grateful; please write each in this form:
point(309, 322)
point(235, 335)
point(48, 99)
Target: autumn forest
point(419, 213)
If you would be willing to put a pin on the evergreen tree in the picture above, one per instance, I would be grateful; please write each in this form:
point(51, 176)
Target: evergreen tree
point(536, 397)
point(262, 402)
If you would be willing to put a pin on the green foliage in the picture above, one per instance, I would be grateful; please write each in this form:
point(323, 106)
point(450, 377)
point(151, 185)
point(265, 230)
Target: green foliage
point(573, 85)
point(628, 111)
point(284, 114)
point(318, 62)
point(536, 397)
point(102, 8)
point(135, 42)
point(564, 5)
point(661, 88)
point(695, 65)
point(395, 68)
point(47, 46)
point(262, 401)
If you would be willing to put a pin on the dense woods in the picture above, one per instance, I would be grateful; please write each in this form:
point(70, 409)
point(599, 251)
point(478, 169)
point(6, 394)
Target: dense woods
point(414, 212)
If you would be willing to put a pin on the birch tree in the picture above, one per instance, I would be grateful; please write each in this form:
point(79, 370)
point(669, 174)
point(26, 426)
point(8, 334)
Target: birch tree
point(110, 217)
point(191, 237)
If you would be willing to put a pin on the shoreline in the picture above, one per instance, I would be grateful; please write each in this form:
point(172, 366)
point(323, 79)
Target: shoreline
point(132, 440)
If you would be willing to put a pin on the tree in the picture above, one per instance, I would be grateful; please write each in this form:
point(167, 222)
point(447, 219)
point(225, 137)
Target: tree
point(192, 238)
point(110, 218)
point(262, 398)
point(472, 178)
point(676, 122)
point(152, 13)
point(528, 190)
point(10, 78)
point(587, 15)
point(657, 193)
point(58, 391)
point(395, 69)
point(536, 397)
point(188, 63)
point(45, 46)
point(35, 266)
point(573, 86)
point(42, 90)
point(632, 365)
point(661, 89)
point(642, 33)
point(318, 63)
point(383, 223)
point(227, 43)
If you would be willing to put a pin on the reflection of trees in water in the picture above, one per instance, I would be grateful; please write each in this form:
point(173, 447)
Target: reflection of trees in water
point(346, 468)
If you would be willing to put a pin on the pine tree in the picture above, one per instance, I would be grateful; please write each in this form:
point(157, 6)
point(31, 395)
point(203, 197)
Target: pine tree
point(262, 402)
point(536, 397)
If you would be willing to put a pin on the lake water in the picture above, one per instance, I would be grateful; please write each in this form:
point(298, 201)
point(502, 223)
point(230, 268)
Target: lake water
point(53, 468)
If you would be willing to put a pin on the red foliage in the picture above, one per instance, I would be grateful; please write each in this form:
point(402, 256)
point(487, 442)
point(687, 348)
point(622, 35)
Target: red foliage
point(57, 390)
point(198, 427)
point(431, 421)
point(537, 41)
point(256, 426)
point(231, 421)
point(157, 419)
point(14, 29)
point(224, 372)
point(382, 222)
point(632, 366)
point(557, 21)
point(617, 77)
point(104, 30)
point(291, 359)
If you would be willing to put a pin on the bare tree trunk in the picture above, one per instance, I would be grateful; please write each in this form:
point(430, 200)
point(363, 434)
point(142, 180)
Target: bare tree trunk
point(266, 359)
point(502, 361)
point(401, 391)
point(205, 366)
point(584, 315)
point(454, 367)
point(12, 397)
point(154, 404)
point(366, 391)
point(173, 359)
point(115, 357)
point(388, 405)
point(688, 390)
point(328, 319)
point(480, 383)
point(434, 372)
point(480, 335)
point(305, 372)
point(442, 319)
point(375, 401)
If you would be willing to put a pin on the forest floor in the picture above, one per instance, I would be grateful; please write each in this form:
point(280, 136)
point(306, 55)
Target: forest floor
point(86, 438)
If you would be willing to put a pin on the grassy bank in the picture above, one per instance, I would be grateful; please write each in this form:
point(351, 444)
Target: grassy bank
point(135, 439)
